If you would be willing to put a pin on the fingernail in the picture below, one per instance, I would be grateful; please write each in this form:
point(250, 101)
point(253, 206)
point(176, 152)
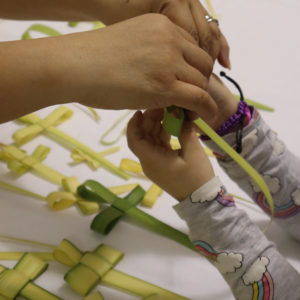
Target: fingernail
point(228, 64)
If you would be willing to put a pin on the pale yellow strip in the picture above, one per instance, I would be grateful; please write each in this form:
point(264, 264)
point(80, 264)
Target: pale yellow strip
point(176, 145)
point(121, 189)
point(137, 286)
point(104, 162)
point(131, 166)
point(211, 9)
point(94, 113)
point(13, 188)
point(17, 255)
point(112, 127)
point(11, 153)
point(79, 156)
point(240, 160)
point(241, 198)
point(151, 195)
point(24, 241)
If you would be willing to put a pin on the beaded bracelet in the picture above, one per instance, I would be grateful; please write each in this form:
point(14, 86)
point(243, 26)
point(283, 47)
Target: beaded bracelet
point(241, 119)
point(243, 111)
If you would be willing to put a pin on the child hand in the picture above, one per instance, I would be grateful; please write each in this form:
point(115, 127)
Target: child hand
point(178, 172)
point(225, 101)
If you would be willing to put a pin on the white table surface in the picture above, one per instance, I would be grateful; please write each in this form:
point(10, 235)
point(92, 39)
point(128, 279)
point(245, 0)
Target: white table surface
point(265, 44)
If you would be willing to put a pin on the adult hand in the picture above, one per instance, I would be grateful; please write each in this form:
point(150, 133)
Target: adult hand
point(143, 62)
point(178, 172)
point(188, 14)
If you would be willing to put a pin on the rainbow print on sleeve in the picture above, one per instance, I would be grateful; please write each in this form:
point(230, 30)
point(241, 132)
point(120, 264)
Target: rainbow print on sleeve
point(260, 279)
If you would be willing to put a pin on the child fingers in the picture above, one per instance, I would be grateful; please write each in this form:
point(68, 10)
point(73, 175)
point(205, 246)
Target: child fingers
point(150, 118)
point(135, 133)
point(165, 139)
point(189, 140)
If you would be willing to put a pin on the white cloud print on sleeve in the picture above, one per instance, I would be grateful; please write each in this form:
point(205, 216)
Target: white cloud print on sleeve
point(273, 184)
point(228, 262)
point(256, 271)
point(296, 197)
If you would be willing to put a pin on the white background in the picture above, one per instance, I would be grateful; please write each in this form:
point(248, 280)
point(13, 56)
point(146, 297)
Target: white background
point(265, 44)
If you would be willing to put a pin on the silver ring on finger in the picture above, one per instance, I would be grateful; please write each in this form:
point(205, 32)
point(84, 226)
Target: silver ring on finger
point(210, 19)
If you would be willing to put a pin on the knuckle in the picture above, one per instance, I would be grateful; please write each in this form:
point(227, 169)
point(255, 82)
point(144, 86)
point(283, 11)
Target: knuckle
point(160, 82)
point(194, 33)
point(215, 32)
point(210, 64)
point(204, 43)
point(205, 83)
point(160, 20)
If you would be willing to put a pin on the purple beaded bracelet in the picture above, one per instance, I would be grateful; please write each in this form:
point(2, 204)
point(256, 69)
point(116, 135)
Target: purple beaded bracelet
point(233, 121)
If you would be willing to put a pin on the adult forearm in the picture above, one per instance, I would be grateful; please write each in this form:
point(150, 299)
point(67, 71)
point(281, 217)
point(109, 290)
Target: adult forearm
point(28, 79)
point(108, 11)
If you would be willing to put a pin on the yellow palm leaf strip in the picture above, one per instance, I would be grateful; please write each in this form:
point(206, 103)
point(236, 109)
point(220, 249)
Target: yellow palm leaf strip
point(67, 253)
point(256, 104)
point(239, 159)
point(16, 157)
point(41, 29)
point(19, 280)
point(39, 125)
point(18, 255)
point(137, 286)
point(60, 200)
point(132, 167)
point(121, 189)
point(78, 157)
point(70, 184)
point(94, 113)
point(153, 297)
point(98, 25)
point(112, 127)
point(95, 296)
point(98, 267)
point(24, 163)
point(151, 195)
point(241, 198)
point(16, 189)
point(176, 145)
point(211, 9)
point(26, 241)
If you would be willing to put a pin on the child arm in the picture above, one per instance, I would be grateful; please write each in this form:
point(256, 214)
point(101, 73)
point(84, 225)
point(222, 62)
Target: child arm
point(262, 148)
point(249, 263)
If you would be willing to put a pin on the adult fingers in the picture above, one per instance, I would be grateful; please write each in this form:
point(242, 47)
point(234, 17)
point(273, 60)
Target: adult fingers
point(191, 75)
point(180, 15)
point(193, 98)
point(223, 57)
point(198, 13)
point(185, 35)
point(198, 58)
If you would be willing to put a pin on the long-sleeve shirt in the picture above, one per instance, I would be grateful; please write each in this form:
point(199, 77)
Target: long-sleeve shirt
point(248, 261)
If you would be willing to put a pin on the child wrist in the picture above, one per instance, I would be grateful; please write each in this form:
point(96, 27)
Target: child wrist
point(243, 113)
